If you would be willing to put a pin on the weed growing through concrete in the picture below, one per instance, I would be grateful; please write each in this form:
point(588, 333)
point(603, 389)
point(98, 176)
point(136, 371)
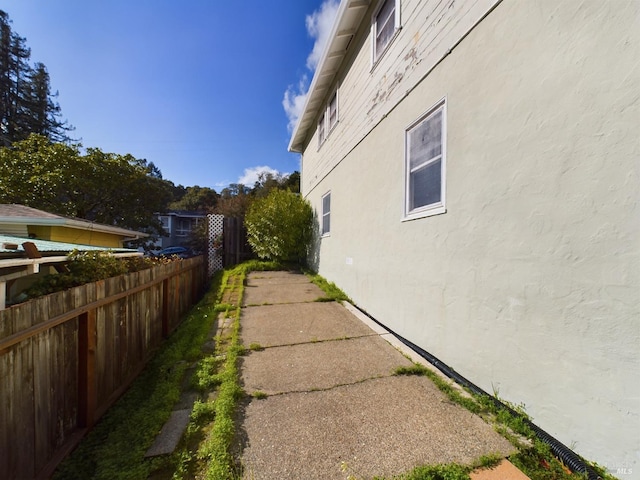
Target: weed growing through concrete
point(332, 292)
point(534, 457)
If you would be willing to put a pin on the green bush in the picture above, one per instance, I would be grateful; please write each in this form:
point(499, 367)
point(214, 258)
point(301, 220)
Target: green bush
point(279, 227)
point(88, 267)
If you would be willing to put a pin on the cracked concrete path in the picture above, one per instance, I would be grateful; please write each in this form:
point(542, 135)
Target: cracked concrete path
point(331, 396)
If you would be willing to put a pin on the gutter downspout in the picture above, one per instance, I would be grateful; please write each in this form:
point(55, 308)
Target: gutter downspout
point(571, 459)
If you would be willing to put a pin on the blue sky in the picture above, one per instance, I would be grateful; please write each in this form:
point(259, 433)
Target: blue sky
point(207, 90)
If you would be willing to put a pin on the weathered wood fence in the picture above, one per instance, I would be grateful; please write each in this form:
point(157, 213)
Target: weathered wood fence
point(65, 358)
point(236, 247)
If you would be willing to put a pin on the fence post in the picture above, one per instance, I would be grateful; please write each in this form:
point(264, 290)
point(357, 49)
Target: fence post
point(87, 385)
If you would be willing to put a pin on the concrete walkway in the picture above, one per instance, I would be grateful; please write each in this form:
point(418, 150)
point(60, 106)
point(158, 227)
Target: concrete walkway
point(332, 402)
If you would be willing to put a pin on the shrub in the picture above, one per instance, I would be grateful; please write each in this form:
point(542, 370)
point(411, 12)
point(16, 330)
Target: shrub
point(279, 227)
point(87, 267)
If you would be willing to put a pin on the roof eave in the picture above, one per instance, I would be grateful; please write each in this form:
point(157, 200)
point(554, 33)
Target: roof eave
point(348, 19)
point(70, 222)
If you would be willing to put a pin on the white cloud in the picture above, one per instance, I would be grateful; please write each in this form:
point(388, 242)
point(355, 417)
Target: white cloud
point(293, 101)
point(319, 25)
point(251, 175)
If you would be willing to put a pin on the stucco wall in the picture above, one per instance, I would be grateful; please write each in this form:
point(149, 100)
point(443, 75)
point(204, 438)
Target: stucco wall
point(366, 92)
point(529, 284)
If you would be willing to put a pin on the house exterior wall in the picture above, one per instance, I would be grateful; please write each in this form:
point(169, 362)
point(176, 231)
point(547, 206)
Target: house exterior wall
point(178, 228)
point(529, 283)
point(74, 235)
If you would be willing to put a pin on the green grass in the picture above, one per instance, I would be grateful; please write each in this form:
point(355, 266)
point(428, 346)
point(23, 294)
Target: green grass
point(534, 457)
point(205, 449)
point(449, 471)
point(331, 291)
point(115, 448)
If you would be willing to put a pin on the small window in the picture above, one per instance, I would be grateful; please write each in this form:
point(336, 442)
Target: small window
point(425, 162)
point(328, 119)
point(326, 213)
point(332, 111)
point(385, 23)
point(184, 227)
point(165, 223)
point(322, 136)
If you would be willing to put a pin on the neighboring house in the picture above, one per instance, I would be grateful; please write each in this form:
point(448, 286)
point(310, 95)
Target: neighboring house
point(178, 226)
point(37, 224)
point(53, 237)
point(474, 169)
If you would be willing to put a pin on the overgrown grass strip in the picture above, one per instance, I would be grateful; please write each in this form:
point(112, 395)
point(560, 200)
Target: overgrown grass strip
point(116, 446)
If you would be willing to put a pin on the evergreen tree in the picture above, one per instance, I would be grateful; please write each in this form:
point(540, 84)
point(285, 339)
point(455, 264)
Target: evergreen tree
point(42, 113)
point(26, 102)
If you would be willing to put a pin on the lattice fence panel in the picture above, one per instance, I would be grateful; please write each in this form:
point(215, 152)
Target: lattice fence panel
point(215, 229)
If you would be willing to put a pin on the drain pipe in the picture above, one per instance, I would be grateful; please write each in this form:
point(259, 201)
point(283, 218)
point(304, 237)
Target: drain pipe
point(571, 459)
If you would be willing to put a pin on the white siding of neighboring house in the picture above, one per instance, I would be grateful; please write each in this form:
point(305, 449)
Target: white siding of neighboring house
point(530, 282)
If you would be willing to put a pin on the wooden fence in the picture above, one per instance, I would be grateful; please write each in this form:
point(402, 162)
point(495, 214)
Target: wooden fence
point(236, 247)
point(65, 358)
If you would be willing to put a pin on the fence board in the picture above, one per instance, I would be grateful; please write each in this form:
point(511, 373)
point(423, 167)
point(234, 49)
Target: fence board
point(23, 418)
point(57, 372)
point(6, 369)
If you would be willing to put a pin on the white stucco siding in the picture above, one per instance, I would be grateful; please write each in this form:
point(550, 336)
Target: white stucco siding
point(530, 282)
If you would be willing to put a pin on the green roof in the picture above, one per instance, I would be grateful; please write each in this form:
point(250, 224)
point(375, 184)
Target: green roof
point(48, 246)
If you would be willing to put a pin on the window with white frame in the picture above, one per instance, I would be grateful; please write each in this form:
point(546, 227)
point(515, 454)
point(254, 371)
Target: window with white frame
point(166, 225)
point(425, 164)
point(332, 110)
point(385, 23)
point(328, 119)
point(184, 227)
point(322, 136)
point(326, 213)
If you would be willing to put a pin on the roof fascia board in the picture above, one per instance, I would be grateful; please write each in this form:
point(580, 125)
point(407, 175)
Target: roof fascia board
point(70, 222)
point(339, 29)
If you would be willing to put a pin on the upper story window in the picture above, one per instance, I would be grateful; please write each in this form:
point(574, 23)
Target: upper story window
point(385, 23)
point(184, 227)
point(326, 213)
point(322, 135)
point(425, 164)
point(332, 111)
point(166, 223)
point(328, 119)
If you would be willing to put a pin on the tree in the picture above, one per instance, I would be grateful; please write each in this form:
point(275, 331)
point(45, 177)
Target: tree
point(26, 102)
point(42, 113)
point(14, 69)
point(280, 226)
point(292, 182)
point(108, 188)
point(196, 199)
point(234, 201)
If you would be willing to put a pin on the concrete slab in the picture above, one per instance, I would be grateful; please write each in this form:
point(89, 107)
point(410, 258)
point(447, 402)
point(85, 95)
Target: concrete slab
point(275, 278)
point(168, 438)
point(272, 325)
point(332, 399)
point(274, 293)
point(317, 366)
point(383, 426)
